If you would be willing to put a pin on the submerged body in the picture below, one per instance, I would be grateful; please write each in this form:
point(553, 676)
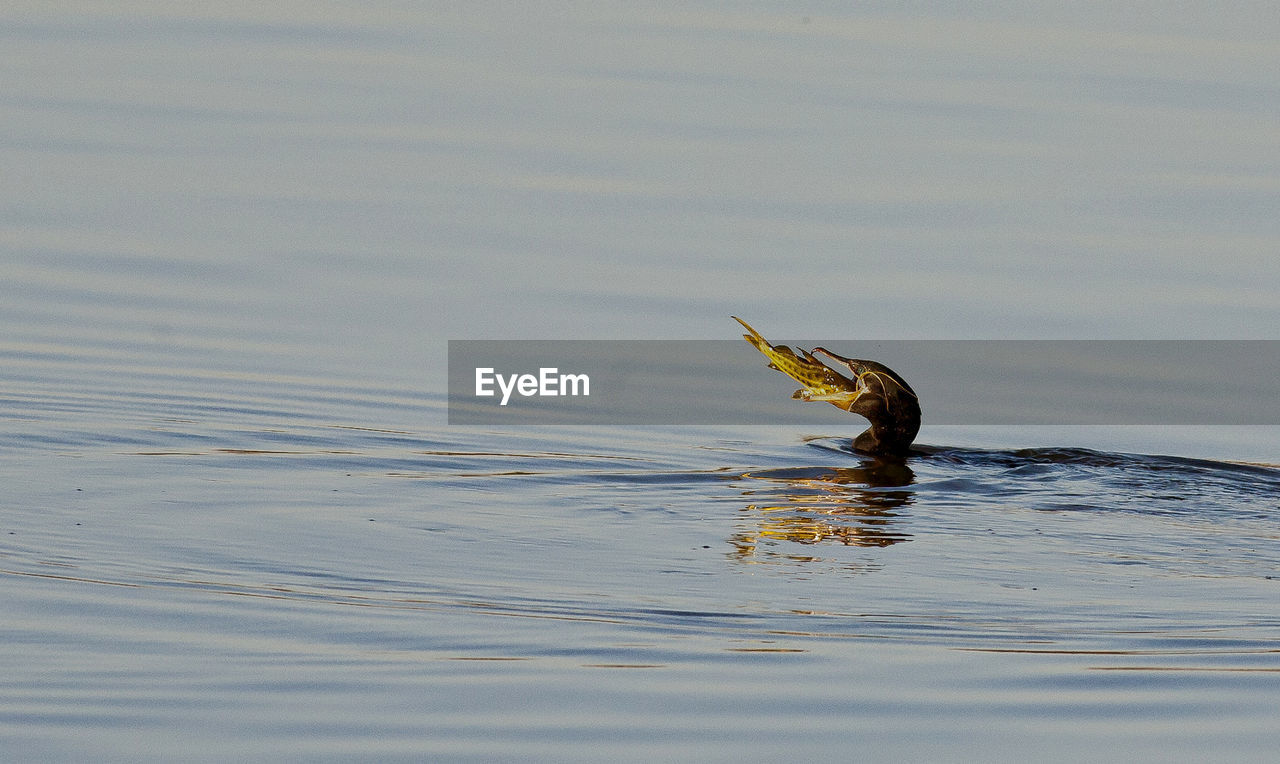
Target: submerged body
point(874, 391)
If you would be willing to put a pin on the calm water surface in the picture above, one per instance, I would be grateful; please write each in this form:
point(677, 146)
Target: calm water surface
point(234, 243)
point(248, 569)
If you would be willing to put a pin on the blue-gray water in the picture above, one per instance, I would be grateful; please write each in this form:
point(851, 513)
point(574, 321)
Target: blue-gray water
point(234, 243)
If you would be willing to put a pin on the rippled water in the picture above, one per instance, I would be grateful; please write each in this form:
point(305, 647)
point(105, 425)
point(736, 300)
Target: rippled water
point(282, 566)
point(234, 243)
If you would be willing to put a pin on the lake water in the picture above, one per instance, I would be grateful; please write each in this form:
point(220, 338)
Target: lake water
point(234, 243)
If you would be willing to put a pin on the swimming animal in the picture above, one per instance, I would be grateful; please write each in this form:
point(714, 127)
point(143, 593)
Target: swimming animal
point(874, 390)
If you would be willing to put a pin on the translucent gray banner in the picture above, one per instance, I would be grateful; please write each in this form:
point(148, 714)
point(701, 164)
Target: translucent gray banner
point(970, 382)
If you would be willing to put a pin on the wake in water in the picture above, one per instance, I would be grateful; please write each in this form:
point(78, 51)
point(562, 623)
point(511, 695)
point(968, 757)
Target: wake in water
point(1080, 478)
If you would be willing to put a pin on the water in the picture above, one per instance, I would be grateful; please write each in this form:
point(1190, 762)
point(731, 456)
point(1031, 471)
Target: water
point(233, 244)
point(286, 570)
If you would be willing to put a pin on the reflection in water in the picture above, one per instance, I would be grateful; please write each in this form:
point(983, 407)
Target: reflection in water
point(810, 505)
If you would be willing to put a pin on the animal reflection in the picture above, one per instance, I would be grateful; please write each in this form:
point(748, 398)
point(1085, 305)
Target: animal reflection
point(851, 506)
